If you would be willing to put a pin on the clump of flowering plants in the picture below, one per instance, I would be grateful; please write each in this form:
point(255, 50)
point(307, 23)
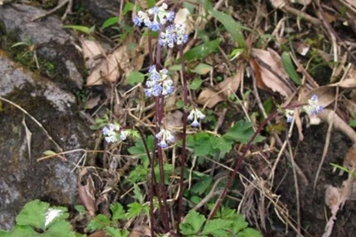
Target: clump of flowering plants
point(159, 86)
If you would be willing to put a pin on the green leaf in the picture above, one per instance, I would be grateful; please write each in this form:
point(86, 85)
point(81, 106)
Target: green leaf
point(222, 144)
point(113, 232)
point(238, 223)
point(139, 173)
point(60, 228)
point(49, 153)
point(139, 149)
point(83, 29)
point(135, 78)
point(242, 132)
point(289, 68)
point(33, 214)
point(180, 104)
point(249, 232)
point(135, 209)
point(109, 22)
point(202, 69)
point(98, 222)
point(80, 208)
point(195, 84)
point(202, 185)
point(118, 212)
point(216, 227)
point(192, 223)
point(20, 231)
point(203, 144)
point(151, 3)
point(201, 51)
point(129, 6)
point(233, 27)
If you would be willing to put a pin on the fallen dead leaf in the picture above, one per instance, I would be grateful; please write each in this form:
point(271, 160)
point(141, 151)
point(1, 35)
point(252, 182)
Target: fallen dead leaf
point(86, 191)
point(92, 102)
point(183, 17)
point(231, 84)
point(92, 52)
point(99, 233)
point(272, 72)
point(173, 121)
point(140, 231)
point(326, 95)
point(209, 97)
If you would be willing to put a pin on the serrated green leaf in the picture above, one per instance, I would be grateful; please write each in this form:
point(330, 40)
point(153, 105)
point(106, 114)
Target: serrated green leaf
point(289, 68)
point(113, 232)
point(118, 212)
point(192, 223)
point(203, 144)
point(249, 232)
point(202, 185)
point(33, 214)
point(216, 227)
point(242, 132)
point(20, 231)
point(109, 22)
point(60, 228)
point(233, 27)
point(238, 223)
point(135, 209)
point(99, 222)
point(135, 77)
point(202, 51)
point(222, 144)
point(139, 174)
point(202, 69)
point(83, 29)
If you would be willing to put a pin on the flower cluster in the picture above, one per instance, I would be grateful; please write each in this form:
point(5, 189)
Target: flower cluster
point(194, 115)
point(164, 136)
point(159, 15)
point(311, 108)
point(158, 83)
point(174, 33)
point(114, 133)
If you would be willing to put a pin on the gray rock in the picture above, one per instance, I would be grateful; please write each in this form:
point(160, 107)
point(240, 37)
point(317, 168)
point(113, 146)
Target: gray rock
point(22, 178)
point(54, 43)
point(103, 9)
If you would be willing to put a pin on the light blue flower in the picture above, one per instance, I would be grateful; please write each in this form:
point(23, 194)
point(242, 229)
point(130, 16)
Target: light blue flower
point(164, 136)
point(158, 83)
point(195, 115)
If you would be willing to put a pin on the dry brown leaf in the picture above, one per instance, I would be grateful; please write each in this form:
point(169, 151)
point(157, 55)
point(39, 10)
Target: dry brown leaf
point(301, 47)
point(302, 2)
point(183, 17)
point(92, 102)
point(99, 233)
point(209, 98)
point(92, 52)
point(329, 116)
point(271, 59)
point(228, 86)
point(173, 121)
point(326, 95)
point(110, 67)
point(140, 231)
point(350, 105)
point(278, 3)
point(231, 84)
point(86, 191)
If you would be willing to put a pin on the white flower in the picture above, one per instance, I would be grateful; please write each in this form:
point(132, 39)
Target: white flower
point(195, 115)
point(165, 136)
